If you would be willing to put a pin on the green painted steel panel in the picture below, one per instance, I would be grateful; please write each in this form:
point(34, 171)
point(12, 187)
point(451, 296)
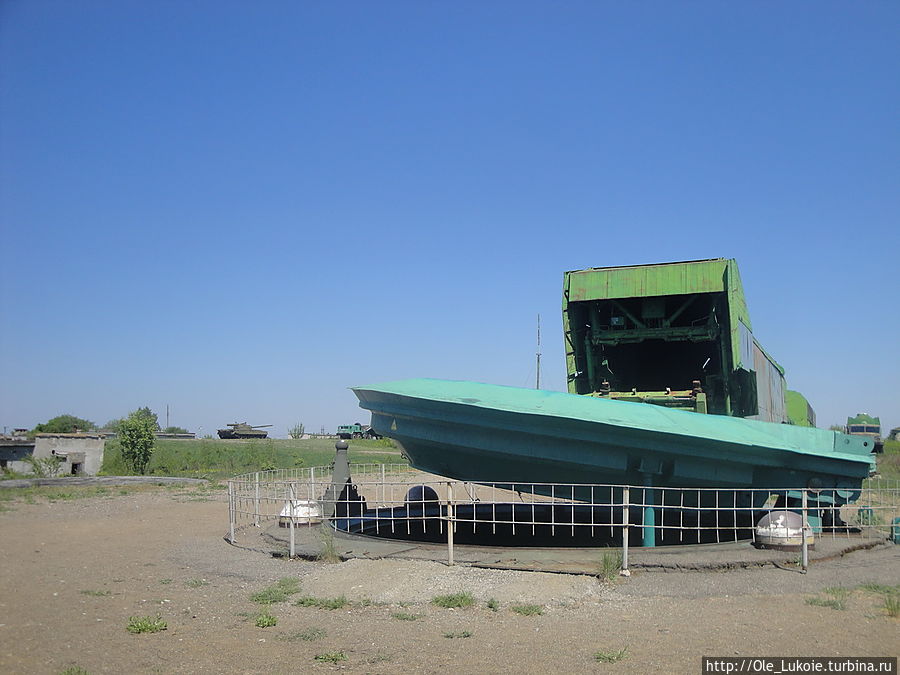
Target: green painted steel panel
point(705, 276)
point(677, 278)
point(864, 418)
point(633, 417)
point(799, 410)
point(489, 433)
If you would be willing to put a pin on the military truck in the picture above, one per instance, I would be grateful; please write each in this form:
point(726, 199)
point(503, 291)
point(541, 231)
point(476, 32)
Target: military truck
point(866, 425)
point(243, 430)
point(356, 430)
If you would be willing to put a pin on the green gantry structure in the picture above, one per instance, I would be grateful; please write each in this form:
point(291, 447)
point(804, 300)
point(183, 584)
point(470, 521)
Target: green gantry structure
point(673, 334)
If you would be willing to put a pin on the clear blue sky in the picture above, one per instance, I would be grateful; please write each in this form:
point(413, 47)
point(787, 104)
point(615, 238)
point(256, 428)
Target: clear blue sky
point(242, 209)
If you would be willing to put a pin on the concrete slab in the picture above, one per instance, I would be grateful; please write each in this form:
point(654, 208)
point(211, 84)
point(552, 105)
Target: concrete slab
point(701, 557)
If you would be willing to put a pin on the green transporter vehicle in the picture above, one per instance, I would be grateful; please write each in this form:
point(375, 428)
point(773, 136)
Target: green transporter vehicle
point(866, 425)
point(673, 334)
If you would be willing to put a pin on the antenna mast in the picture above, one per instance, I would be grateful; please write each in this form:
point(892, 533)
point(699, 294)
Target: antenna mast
point(537, 384)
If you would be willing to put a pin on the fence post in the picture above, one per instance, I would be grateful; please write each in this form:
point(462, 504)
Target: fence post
point(804, 528)
point(291, 515)
point(649, 512)
point(449, 523)
point(256, 502)
point(231, 513)
point(625, 499)
point(312, 503)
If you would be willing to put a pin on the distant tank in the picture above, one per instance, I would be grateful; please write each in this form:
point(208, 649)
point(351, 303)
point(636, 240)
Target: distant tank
point(243, 430)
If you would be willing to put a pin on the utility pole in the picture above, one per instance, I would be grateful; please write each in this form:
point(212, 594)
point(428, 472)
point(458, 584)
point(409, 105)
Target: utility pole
point(537, 384)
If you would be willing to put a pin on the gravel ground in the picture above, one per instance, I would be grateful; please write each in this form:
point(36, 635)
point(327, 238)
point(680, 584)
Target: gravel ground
point(73, 572)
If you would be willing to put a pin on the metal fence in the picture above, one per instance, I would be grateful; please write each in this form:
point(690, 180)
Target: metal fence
point(398, 502)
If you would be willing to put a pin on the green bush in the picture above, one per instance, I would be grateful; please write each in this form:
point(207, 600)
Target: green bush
point(146, 624)
point(64, 424)
point(610, 565)
point(265, 620)
point(137, 436)
point(44, 467)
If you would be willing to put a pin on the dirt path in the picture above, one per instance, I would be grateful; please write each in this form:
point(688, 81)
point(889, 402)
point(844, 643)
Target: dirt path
point(73, 572)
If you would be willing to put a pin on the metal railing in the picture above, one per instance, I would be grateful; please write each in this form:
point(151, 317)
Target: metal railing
point(396, 501)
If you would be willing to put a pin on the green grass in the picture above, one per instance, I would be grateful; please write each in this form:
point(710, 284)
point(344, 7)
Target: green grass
point(611, 656)
point(460, 634)
point(96, 594)
point(74, 670)
point(216, 458)
point(32, 495)
point(280, 591)
point(196, 583)
point(881, 589)
point(331, 657)
point(404, 616)
point(493, 604)
point(528, 610)
point(837, 598)
point(610, 565)
point(307, 635)
point(146, 624)
point(825, 602)
point(454, 600)
point(265, 619)
point(888, 462)
point(890, 597)
point(328, 553)
point(867, 516)
point(892, 605)
point(52, 494)
point(322, 603)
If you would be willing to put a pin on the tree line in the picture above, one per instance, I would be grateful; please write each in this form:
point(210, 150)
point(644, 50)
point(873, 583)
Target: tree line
point(68, 424)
